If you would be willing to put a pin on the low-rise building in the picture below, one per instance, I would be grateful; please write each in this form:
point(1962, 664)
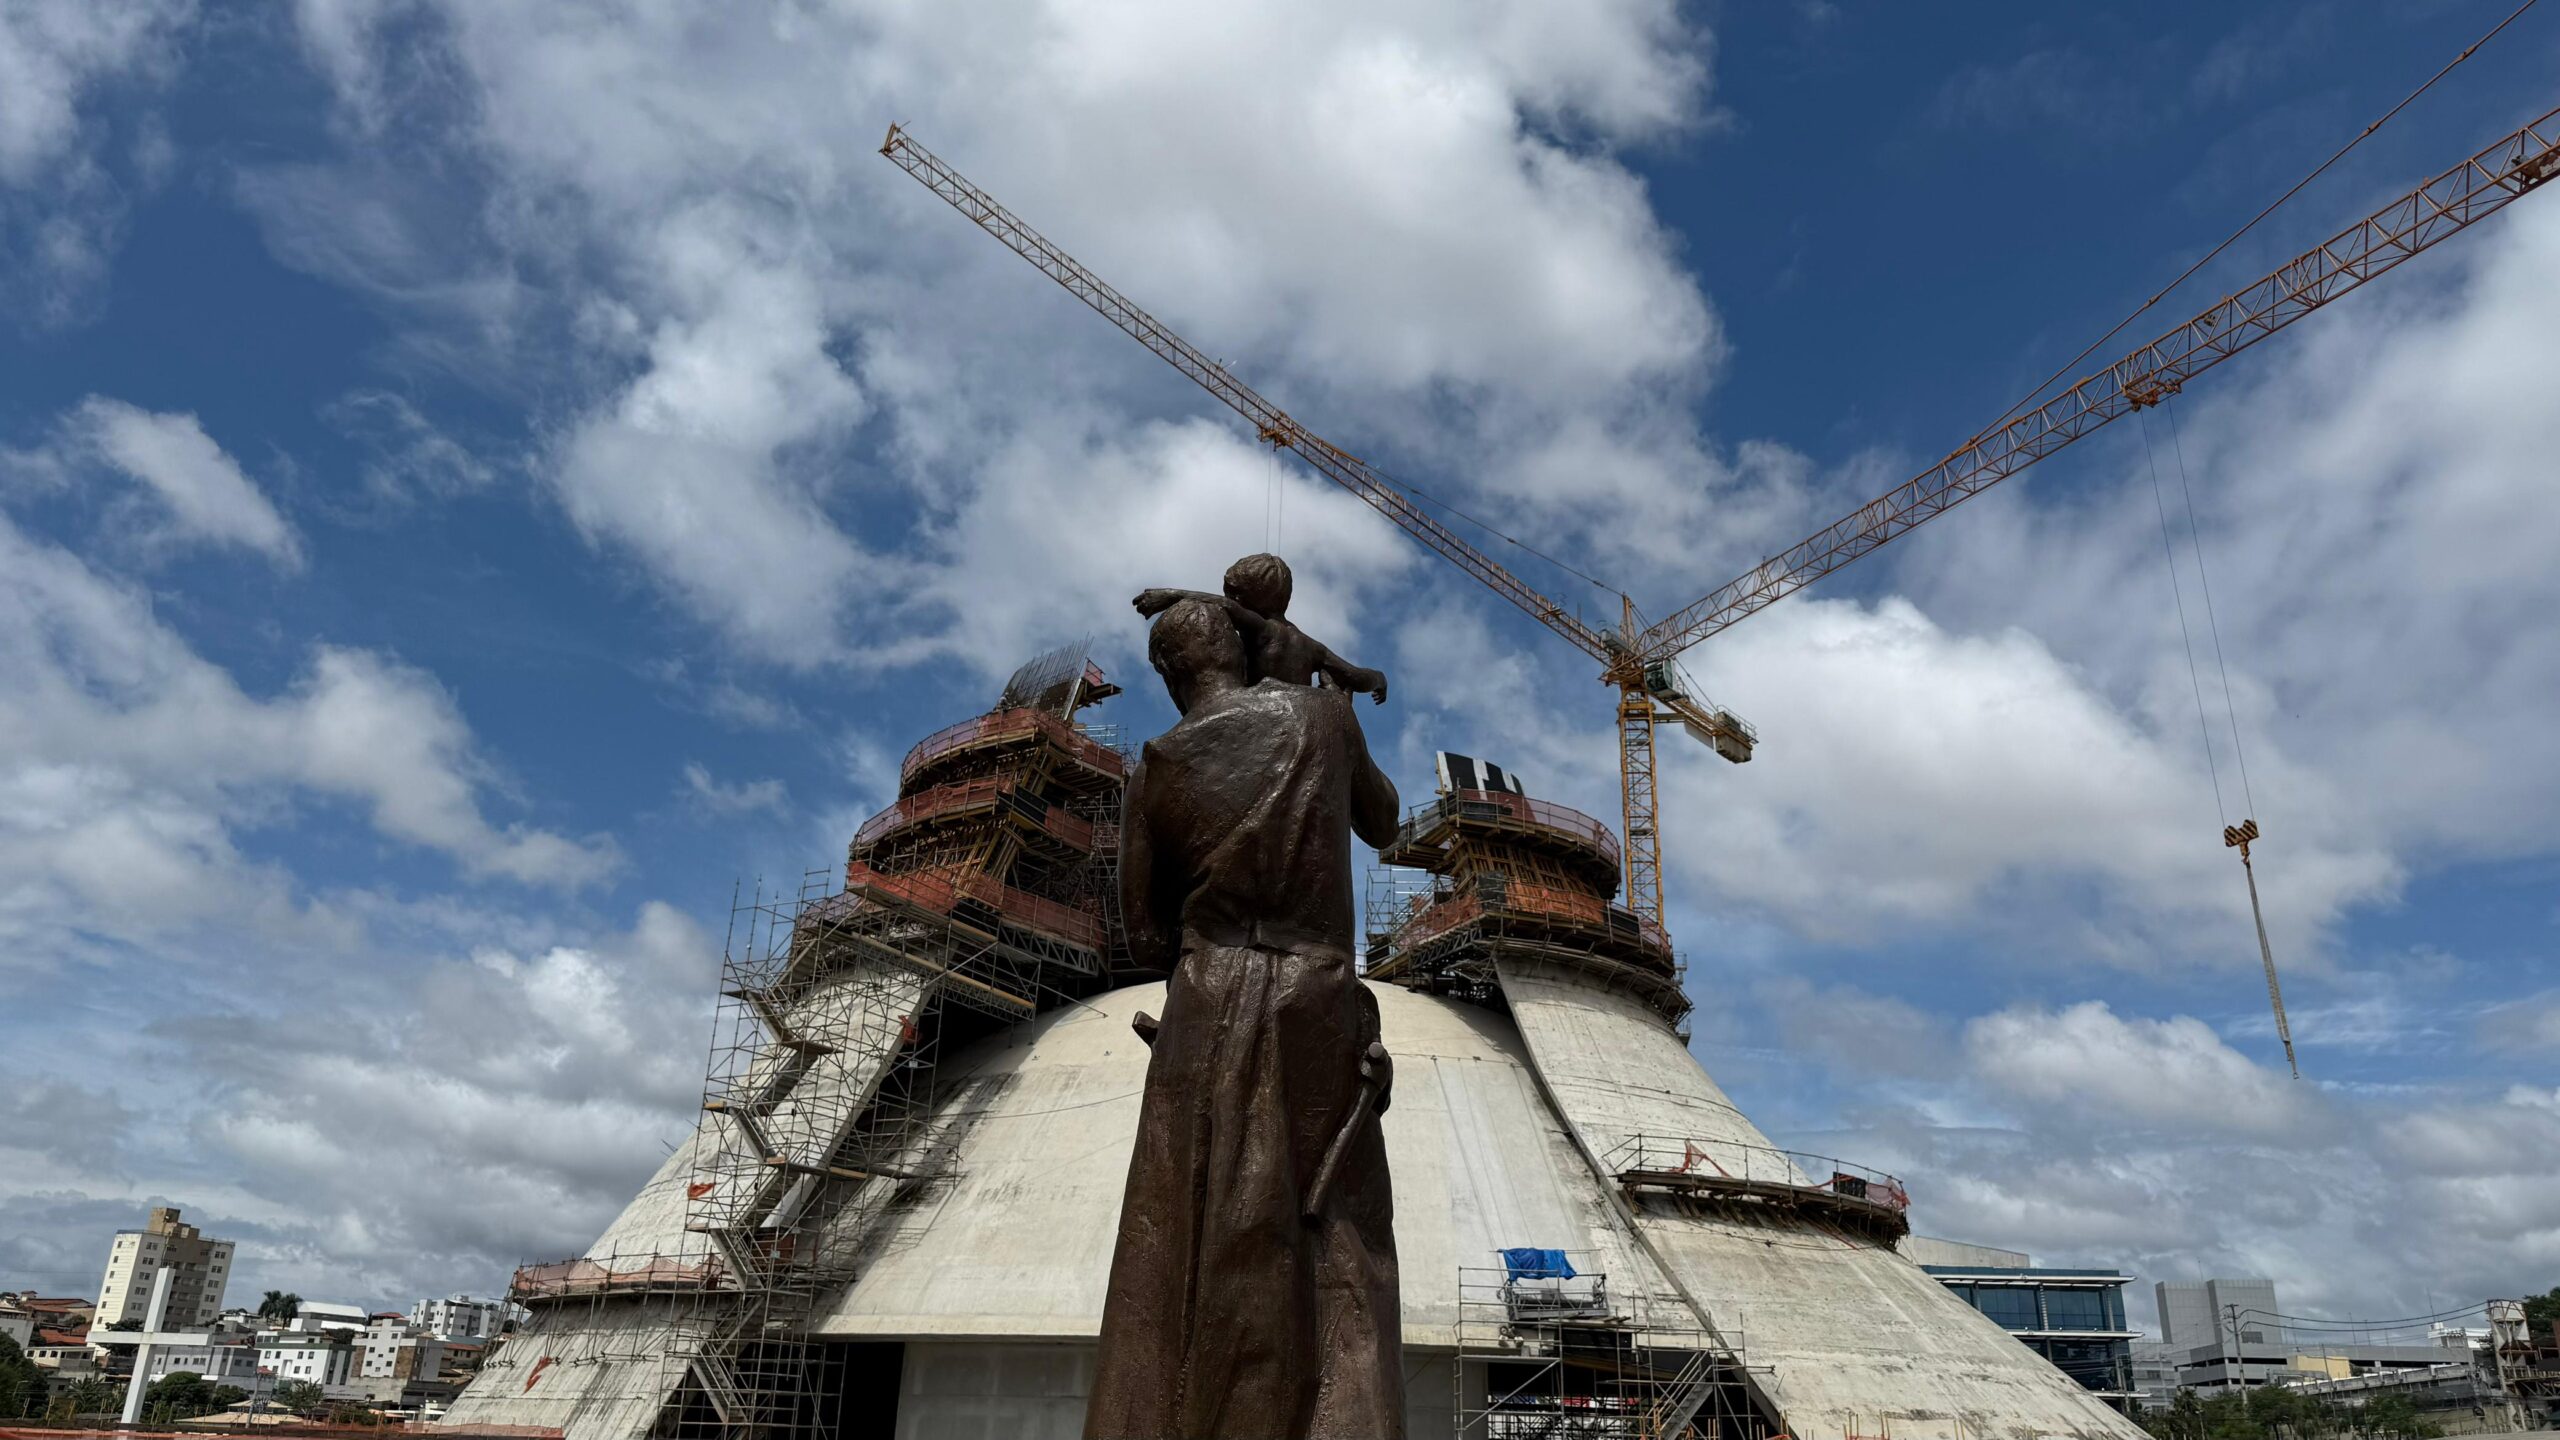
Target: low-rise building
point(228, 1361)
point(51, 1312)
point(2218, 1367)
point(2073, 1317)
point(324, 1360)
point(320, 1317)
point(18, 1324)
point(397, 1364)
point(64, 1351)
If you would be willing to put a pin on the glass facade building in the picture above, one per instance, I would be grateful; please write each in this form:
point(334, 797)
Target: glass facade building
point(2073, 1318)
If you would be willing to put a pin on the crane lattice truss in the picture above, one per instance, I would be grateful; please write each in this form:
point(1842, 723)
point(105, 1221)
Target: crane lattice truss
point(1641, 663)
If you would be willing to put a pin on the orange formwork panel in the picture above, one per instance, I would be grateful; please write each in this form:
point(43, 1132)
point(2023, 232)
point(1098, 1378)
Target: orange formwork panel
point(1428, 834)
point(964, 797)
point(942, 889)
point(1001, 729)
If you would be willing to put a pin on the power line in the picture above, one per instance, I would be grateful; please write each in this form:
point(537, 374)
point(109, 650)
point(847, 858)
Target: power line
point(2328, 1323)
point(2272, 207)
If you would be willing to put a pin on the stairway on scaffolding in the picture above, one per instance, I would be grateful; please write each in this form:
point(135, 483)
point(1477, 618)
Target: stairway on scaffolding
point(1545, 1349)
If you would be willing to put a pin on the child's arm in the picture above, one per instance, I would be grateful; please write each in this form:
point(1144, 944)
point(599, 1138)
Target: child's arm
point(1248, 623)
point(1358, 679)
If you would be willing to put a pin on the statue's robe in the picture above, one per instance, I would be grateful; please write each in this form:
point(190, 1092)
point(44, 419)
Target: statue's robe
point(1228, 1316)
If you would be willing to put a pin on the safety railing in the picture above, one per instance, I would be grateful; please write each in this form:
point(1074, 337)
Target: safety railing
point(1531, 900)
point(961, 796)
point(562, 1279)
point(1503, 807)
point(1679, 1163)
point(942, 889)
point(1000, 726)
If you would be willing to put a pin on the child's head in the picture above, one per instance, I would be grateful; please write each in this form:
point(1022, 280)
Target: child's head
point(1260, 583)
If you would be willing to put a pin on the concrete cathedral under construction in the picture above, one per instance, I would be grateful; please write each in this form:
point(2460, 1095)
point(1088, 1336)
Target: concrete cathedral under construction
point(896, 1214)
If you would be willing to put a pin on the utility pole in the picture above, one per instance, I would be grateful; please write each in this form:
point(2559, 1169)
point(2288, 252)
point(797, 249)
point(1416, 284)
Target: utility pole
point(2231, 1368)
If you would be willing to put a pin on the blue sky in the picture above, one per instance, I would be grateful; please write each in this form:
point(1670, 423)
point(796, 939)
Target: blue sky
point(478, 482)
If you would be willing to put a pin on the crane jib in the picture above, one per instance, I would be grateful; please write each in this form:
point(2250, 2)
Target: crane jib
point(1270, 422)
point(2469, 192)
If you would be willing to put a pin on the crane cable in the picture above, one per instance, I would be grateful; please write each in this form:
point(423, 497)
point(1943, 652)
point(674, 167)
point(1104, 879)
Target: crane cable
point(2233, 836)
point(2323, 168)
point(2186, 638)
point(2213, 623)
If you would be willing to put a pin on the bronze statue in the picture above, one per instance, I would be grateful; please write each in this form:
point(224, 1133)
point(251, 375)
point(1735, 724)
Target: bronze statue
point(1257, 600)
point(1253, 1293)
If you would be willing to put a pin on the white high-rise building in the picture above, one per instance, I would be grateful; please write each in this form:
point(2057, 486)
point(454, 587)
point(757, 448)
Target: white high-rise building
point(2204, 1312)
point(461, 1317)
point(202, 1266)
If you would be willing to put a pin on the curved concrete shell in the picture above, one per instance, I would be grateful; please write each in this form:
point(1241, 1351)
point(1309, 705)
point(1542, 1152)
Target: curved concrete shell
point(989, 1278)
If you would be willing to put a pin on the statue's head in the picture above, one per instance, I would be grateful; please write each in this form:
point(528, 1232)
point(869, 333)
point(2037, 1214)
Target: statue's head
point(1196, 649)
point(1260, 583)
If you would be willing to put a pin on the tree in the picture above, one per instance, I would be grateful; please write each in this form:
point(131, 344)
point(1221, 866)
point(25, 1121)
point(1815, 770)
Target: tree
point(280, 1306)
point(2541, 1312)
point(298, 1396)
point(89, 1395)
point(19, 1382)
point(178, 1395)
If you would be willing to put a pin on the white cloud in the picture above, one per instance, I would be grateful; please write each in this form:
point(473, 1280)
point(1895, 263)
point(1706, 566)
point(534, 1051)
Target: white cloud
point(134, 766)
point(59, 210)
point(2085, 1136)
point(402, 1130)
point(2525, 1027)
point(51, 51)
point(409, 459)
point(201, 493)
point(816, 403)
point(2173, 1074)
point(744, 798)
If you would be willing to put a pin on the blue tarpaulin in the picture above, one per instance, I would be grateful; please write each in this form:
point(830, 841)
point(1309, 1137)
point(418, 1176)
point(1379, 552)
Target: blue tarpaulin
point(1526, 1264)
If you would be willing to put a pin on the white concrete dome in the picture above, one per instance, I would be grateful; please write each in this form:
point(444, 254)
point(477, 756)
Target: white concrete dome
point(980, 1290)
point(1016, 1247)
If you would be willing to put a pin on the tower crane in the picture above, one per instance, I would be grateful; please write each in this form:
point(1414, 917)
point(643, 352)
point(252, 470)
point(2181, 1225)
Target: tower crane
point(1641, 661)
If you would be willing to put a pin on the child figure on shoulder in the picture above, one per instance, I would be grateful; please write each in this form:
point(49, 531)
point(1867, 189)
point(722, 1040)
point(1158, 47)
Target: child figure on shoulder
point(1257, 601)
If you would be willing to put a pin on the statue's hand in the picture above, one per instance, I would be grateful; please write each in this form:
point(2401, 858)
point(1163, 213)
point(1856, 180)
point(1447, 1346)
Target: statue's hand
point(1379, 1068)
point(1360, 680)
point(1156, 602)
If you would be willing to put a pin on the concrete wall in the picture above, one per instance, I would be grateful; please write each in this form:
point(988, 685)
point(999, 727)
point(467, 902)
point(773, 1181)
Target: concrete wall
point(1846, 1335)
point(987, 1391)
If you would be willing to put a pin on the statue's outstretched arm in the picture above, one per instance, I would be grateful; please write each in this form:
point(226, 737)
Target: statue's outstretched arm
point(1358, 679)
point(1152, 603)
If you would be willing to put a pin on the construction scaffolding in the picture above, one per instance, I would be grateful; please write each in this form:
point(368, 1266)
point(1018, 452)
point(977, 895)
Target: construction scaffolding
point(1550, 1351)
point(1723, 1171)
point(984, 894)
point(1474, 876)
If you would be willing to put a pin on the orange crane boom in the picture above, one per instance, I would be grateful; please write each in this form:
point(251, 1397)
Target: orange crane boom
point(1643, 663)
point(2460, 197)
point(1271, 423)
